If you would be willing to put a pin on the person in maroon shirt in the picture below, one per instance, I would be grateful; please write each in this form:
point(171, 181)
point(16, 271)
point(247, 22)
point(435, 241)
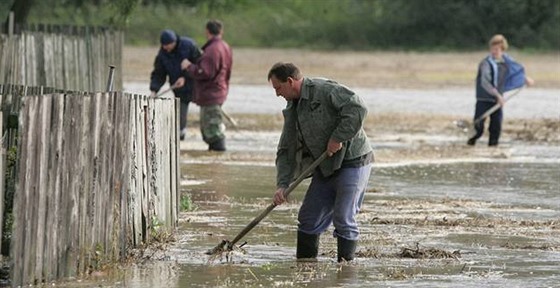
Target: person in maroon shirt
point(211, 74)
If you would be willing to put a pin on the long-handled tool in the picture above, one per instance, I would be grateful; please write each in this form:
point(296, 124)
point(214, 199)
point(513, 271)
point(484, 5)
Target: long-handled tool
point(111, 78)
point(226, 245)
point(166, 91)
point(226, 115)
point(470, 129)
point(229, 118)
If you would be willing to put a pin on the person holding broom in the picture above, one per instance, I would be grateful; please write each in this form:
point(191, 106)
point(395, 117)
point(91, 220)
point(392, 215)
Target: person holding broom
point(322, 115)
point(497, 74)
point(174, 49)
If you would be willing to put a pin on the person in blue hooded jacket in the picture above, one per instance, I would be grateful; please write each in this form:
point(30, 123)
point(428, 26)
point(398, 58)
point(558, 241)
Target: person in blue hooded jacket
point(497, 73)
point(173, 51)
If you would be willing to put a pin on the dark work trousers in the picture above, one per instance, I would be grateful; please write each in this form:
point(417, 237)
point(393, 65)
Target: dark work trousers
point(337, 200)
point(184, 114)
point(495, 127)
point(184, 109)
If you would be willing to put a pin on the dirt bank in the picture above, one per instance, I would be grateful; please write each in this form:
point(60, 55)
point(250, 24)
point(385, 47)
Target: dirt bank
point(362, 69)
point(397, 138)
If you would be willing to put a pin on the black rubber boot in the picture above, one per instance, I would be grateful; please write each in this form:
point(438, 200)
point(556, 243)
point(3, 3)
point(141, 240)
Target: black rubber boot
point(183, 134)
point(346, 249)
point(471, 141)
point(219, 145)
point(307, 245)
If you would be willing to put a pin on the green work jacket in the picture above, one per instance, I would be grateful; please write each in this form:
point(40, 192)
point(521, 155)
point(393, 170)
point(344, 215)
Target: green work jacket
point(325, 110)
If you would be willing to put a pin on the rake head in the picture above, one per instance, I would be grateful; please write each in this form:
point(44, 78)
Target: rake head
point(466, 126)
point(463, 124)
point(224, 247)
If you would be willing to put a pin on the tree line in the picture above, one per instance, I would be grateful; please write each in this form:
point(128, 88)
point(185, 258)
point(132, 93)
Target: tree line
point(322, 24)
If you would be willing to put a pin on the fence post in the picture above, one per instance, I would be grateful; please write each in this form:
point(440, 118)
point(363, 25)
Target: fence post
point(11, 24)
point(111, 78)
point(2, 155)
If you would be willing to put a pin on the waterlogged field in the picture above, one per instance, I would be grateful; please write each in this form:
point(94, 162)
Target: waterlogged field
point(436, 214)
point(489, 219)
point(452, 224)
point(435, 224)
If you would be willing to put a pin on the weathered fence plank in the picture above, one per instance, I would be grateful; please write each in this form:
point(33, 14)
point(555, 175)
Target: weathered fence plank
point(96, 172)
point(2, 170)
point(41, 180)
point(70, 61)
point(53, 185)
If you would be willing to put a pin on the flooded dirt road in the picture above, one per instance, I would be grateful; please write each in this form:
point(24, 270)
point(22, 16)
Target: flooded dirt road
point(500, 215)
point(498, 207)
point(484, 217)
point(444, 101)
point(437, 213)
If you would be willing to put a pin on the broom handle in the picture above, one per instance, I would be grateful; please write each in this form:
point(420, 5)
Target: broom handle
point(495, 107)
point(287, 192)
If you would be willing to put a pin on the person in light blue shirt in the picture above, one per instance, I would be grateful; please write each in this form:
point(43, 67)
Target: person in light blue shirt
point(497, 74)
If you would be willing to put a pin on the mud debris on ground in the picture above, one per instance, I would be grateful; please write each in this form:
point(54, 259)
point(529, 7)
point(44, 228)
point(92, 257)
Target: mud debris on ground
point(428, 253)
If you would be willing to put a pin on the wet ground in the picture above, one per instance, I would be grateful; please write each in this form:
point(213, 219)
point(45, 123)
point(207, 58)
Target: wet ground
point(500, 214)
point(493, 213)
point(544, 103)
point(479, 216)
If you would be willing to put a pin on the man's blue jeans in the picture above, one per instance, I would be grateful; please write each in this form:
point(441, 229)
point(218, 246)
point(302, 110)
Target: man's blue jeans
point(336, 199)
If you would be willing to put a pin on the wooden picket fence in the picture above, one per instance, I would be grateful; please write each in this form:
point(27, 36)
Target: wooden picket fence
point(97, 174)
point(68, 57)
point(10, 104)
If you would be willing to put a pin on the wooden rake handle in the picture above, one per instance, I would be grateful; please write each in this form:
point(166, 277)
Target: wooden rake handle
point(171, 88)
point(495, 107)
point(271, 207)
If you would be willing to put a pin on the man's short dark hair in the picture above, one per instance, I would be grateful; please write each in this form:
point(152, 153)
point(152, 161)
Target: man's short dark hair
point(214, 27)
point(282, 71)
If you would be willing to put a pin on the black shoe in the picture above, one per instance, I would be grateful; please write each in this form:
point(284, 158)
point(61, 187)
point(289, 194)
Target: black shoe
point(307, 245)
point(346, 249)
point(493, 144)
point(471, 142)
point(219, 146)
point(183, 134)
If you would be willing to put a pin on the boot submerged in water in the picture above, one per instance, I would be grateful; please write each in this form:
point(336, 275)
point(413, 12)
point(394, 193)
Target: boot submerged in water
point(219, 145)
point(307, 247)
point(346, 249)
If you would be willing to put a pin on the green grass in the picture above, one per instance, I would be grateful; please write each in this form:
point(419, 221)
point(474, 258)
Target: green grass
point(187, 204)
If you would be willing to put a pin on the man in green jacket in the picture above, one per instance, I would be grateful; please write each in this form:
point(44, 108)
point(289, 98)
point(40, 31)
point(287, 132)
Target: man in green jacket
point(322, 115)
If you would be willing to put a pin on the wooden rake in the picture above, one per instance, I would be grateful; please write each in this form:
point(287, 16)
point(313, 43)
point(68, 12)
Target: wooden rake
point(470, 128)
point(227, 246)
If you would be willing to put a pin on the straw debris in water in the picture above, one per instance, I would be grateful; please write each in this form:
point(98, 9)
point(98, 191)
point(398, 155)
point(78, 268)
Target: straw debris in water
point(224, 249)
point(428, 253)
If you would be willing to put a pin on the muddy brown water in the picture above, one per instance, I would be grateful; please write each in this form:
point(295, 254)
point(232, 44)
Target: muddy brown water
point(499, 209)
point(502, 216)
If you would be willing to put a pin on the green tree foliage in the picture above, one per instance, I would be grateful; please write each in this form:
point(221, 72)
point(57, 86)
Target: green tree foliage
point(82, 12)
point(467, 23)
point(418, 24)
point(122, 11)
point(325, 24)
